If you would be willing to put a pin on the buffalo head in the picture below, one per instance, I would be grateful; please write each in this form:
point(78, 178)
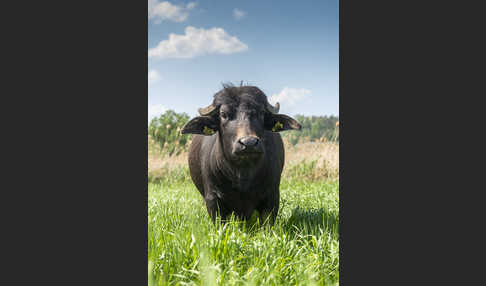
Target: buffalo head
point(239, 116)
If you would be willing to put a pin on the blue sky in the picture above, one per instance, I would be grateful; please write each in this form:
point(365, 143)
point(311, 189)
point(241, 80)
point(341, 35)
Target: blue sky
point(289, 49)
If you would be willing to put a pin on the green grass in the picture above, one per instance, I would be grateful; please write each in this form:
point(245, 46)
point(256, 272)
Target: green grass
point(185, 248)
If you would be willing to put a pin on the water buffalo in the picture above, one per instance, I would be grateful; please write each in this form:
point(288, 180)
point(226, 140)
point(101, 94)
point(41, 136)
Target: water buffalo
point(237, 155)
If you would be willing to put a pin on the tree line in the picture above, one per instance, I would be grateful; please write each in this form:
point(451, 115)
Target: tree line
point(165, 131)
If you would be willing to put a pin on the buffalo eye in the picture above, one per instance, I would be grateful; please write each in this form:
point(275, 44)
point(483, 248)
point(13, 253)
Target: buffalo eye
point(224, 115)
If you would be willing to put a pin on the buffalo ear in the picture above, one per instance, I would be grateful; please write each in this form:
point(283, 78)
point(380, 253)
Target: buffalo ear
point(204, 125)
point(281, 122)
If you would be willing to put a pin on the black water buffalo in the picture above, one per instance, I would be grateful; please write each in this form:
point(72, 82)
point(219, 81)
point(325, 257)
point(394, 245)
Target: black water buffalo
point(237, 156)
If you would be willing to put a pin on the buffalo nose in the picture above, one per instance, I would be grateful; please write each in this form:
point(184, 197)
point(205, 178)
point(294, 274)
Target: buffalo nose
point(249, 141)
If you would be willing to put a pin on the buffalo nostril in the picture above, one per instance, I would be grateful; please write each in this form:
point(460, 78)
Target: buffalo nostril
point(249, 141)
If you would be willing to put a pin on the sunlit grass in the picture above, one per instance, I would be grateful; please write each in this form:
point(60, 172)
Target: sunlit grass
point(185, 248)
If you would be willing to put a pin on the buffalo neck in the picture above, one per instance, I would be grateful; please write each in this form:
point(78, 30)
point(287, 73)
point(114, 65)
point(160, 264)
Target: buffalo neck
point(241, 177)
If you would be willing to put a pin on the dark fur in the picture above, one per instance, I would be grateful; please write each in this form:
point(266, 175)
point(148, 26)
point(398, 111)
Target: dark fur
point(231, 184)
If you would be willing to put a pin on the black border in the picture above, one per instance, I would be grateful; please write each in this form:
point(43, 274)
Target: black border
point(76, 176)
point(408, 206)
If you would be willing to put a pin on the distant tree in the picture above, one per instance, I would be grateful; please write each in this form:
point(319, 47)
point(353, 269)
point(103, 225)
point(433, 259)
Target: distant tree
point(165, 131)
point(314, 128)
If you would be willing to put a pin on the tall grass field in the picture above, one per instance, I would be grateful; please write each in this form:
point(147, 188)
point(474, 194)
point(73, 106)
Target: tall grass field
point(302, 248)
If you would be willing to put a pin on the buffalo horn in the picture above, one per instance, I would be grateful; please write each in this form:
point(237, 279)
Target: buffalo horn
point(207, 110)
point(272, 109)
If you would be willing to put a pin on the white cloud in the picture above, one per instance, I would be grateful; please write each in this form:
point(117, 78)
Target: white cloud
point(197, 42)
point(155, 110)
point(191, 5)
point(153, 76)
point(165, 11)
point(238, 14)
point(289, 97)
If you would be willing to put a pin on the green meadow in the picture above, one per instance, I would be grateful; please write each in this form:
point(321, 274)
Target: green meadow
point(302, 248)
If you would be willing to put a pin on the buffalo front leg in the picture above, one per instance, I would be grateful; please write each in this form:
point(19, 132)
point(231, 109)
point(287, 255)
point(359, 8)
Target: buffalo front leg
point(269, 209)
point(216, 208)
point(268, 216)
